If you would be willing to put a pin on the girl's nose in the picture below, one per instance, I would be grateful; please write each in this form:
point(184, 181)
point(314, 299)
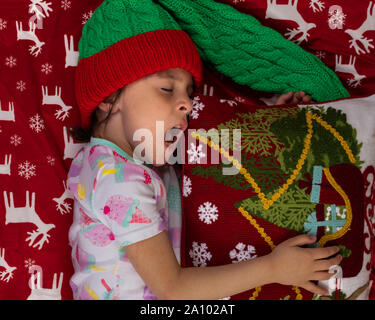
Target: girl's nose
point(186, 105)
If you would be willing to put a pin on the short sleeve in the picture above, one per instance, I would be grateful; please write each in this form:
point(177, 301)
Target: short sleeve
point(126, 199)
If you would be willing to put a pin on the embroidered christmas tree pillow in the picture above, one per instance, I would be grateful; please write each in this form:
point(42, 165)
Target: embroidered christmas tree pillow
point(256, 176)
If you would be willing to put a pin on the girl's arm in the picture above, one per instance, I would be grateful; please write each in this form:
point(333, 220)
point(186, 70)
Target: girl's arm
point(155, 262)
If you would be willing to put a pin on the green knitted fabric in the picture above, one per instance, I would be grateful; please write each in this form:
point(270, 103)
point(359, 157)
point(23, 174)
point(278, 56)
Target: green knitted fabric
point(115, 20)
point(238, 46)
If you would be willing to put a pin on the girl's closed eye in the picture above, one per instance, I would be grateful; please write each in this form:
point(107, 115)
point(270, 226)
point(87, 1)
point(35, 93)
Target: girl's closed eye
point(167, 89)
point(191, 95)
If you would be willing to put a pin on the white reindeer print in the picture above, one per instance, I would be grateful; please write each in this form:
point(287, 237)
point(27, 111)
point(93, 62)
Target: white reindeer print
point(71, 56)
point(5, 168)
point(27, 214)
point(349, 68)
point(9, 114)
point(38, 7)
point(70, 148)
point(30, 35)
point(56, 100)
point(229, 102)
point(289, 12)
point(61, 205)
point(316, 5)
point(39, 4)
point(39, 293)
point(8, 273)
point(211, 90)
point(357, 34)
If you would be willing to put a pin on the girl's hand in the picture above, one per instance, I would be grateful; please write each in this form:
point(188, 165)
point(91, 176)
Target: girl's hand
point(293, 265)
point(290, 97)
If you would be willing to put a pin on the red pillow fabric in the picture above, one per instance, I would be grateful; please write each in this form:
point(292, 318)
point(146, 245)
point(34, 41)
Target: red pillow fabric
point(301, 170)
point(39, 45)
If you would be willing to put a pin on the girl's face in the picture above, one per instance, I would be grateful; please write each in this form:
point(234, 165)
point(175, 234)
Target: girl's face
point(148, 111)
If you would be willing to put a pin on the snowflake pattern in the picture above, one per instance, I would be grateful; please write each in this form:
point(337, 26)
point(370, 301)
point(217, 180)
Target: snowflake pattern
point(239, 99)
point(10, 61)
point(320, 54)
point(29, 263)
point(36, 123)
point(238, 1)
point(51, 160)
point(65, 4)
point(86, 16)
point(243, 253)
point(15, 140)
point(208, 212)
point(26, 170)
point(46, 68)
point(199, 254)
point(186, 186)
point(195, 154)
point(21, 85)
point(197, 106)
point(3, 24)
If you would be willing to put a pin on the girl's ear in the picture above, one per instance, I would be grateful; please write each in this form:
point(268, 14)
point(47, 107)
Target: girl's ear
point(105, 106)
point(108, 107)
point(110, 104)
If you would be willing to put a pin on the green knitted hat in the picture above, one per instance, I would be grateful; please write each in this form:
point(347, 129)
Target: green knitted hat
point(123, 41)
point(238, 46)
point(115, 20)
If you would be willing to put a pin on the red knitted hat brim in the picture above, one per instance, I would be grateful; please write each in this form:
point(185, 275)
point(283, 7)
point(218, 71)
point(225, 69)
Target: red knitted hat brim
point(131, 59)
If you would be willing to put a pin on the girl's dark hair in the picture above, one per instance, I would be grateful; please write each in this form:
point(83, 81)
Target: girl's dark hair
point(84, 135)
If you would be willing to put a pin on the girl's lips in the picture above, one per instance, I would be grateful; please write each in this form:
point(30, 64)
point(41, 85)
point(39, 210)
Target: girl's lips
point(173, 135)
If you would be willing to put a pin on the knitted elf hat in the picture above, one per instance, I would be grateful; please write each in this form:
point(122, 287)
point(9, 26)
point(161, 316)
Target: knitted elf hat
point(238, 46)
point(123, 41)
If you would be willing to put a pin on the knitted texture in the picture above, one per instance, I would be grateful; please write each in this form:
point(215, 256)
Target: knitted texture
point(238, 46)
point(115, 20)
point(126, 40)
